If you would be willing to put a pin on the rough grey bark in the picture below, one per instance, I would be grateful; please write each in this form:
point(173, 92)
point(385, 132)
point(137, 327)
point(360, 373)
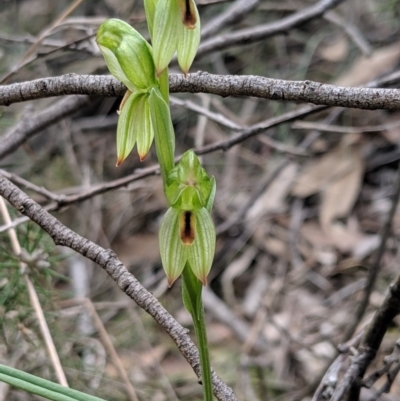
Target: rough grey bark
point(69, 84)
point(109, 261)
point(202, 82)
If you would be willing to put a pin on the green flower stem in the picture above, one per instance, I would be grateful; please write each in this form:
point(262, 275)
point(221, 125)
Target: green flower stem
point(164, 85)
point(164, 134)
point(191, 294)
point(42, 387)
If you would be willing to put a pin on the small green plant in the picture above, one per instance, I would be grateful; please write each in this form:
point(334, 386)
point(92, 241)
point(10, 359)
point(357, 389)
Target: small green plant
point(187, 233)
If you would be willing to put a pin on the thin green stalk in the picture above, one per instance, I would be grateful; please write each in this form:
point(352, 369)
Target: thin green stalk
point(201, 335)
point(29, 387)
point(45, 388)
point(191, 295)
point(164, 85)
point(164, 134)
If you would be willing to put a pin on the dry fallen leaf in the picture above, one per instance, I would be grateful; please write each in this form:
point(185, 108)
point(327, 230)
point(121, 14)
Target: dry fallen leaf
point(341, 193)
point(312, 232)
point(319, 173)
point(337, 176)
point(365, 68)
point(275, 246)
point(336, 50)
point(272, 200)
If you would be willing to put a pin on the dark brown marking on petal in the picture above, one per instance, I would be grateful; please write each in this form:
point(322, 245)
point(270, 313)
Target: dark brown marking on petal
point(189, 15)
point(187, 227)
point(187, 11)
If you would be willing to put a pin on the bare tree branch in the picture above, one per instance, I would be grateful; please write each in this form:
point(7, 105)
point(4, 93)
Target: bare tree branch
point(68, 84)
point(202, 82)
point(376, 263)
point(371, 342)
point(108, 260)
point(250, 35)
point(297, 91)
point(31, 126)
point(330, 379)
point(388, 362)
point(375, 331)
point(351, 30)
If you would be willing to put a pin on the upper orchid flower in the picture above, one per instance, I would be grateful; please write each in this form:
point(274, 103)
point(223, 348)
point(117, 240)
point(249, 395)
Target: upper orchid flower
point(177, 25)
point(129, 58)
point(127, 54)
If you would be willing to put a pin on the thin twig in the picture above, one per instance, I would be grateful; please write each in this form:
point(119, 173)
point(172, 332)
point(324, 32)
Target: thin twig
point(389, 360)
point(351, 30)
point(28, 128)
point(308, 125)
point(251, 35)
point(29, 185)
point(234, 13)
point(219, 118)
point(109, 346)
point(370, 344)
point(29, 55)
point(329, 380)
point(264, 183)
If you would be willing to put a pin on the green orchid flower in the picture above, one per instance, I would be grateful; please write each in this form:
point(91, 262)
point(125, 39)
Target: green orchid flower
point(134, 125)
point(178, 30)
point(127, 54)
point(129, 58)
point(187, 232)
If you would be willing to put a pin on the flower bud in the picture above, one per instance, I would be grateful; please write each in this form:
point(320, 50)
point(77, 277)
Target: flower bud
point(127, 54)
